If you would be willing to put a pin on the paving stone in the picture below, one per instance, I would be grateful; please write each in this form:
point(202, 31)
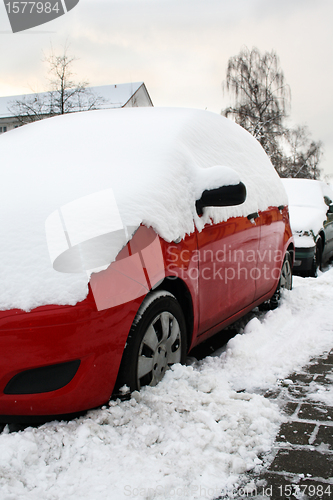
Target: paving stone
point(325, 436)
point(295, 432)
point(315, 412)
point(297, 391)
point(279, 487)
point(303, 462)
point(326, 379)
point(316, 489)
point(290, 408)
point(303, 378)
point(272, 393)
point(319, 367)
point(329, 359)
point(290, 475)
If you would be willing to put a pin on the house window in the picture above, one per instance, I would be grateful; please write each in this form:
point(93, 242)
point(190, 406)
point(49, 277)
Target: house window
point(3, 129)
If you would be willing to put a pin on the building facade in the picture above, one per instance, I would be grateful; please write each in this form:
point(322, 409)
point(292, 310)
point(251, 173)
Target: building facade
point(123, 95)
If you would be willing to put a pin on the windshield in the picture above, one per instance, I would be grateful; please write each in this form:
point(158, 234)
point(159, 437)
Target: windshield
point(304, 193)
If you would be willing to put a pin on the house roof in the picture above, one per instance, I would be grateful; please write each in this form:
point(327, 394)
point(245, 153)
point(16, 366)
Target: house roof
point(114, 96)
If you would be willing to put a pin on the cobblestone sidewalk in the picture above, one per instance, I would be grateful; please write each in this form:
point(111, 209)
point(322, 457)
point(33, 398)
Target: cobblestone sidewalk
point(303, 464)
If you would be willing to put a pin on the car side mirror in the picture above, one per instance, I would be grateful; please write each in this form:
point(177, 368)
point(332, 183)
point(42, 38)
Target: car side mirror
point(224, 196)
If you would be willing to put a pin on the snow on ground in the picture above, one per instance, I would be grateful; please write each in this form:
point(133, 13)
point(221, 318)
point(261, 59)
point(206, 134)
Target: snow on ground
point(322, 394)
point(191, 436)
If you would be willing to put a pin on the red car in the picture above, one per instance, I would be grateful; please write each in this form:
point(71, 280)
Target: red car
point(158, 299)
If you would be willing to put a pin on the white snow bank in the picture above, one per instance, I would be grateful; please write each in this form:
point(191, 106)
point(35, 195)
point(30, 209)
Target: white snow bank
point(189, 437)
point(152, 160)
point(321, 394)
point(284, 339)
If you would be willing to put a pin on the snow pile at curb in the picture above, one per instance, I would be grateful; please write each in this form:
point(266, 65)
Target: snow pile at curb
point(191, 436)
point(188, 435)
point(285, 339)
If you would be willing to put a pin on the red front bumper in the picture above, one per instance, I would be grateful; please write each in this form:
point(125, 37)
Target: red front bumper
point(53, 335)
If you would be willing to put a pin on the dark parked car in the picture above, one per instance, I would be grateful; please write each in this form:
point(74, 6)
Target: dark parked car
point(311, 218)
point(106, 288)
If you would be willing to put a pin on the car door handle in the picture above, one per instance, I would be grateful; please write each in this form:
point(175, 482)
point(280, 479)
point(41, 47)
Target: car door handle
point(255, 215)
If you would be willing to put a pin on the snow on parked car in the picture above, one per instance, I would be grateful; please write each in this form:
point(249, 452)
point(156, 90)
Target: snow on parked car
point(130, 236)
point(311, 216)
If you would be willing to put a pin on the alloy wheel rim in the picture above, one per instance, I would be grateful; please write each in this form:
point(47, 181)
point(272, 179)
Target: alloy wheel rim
point(159, 348)
point(286, 275)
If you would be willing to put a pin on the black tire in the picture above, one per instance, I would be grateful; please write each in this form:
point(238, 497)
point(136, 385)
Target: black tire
point(157, 340)
point(285, 281)
point(317, 259)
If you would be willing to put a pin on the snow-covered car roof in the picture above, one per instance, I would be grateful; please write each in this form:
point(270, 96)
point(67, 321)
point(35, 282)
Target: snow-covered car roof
point(156, 162)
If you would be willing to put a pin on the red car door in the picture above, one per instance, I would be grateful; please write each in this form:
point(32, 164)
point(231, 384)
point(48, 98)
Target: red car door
point(227, 269)
point(270, 256)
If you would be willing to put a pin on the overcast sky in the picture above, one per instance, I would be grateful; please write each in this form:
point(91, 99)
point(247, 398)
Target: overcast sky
point(180, 49)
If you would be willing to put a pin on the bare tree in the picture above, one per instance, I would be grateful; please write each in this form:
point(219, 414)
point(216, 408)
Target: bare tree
point(261, 103)
point(64, 96)
point(261, 96)
point(31, 108)
point(302, 155)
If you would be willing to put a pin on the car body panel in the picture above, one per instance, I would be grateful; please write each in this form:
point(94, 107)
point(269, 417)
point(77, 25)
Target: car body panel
point(328, 230)
point(223, 262)
point(60, 334)
point(271, 248)
point(96, 336)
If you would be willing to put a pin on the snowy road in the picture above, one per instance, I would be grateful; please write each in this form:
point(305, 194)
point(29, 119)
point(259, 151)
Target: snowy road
point(191, 436)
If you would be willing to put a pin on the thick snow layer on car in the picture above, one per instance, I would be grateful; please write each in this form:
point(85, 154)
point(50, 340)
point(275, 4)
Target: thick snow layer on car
point(194, 434)
point(155, 162)
point(307, 208)
point(305, 193)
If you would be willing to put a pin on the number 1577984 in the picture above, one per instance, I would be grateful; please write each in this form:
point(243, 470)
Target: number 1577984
point(20, 7)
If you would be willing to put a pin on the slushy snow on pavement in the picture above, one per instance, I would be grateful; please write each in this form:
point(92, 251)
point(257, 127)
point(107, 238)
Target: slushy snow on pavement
point(191, 436)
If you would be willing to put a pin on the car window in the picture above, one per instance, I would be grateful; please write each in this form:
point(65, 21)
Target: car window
point(304, 193)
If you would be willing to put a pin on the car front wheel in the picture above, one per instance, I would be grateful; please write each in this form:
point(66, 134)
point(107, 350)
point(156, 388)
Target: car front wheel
point(285, 281)
point(156, 341)
point(317, 259)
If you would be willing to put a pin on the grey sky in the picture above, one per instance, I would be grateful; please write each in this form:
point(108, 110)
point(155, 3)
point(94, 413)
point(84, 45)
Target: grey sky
point(180, 49)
